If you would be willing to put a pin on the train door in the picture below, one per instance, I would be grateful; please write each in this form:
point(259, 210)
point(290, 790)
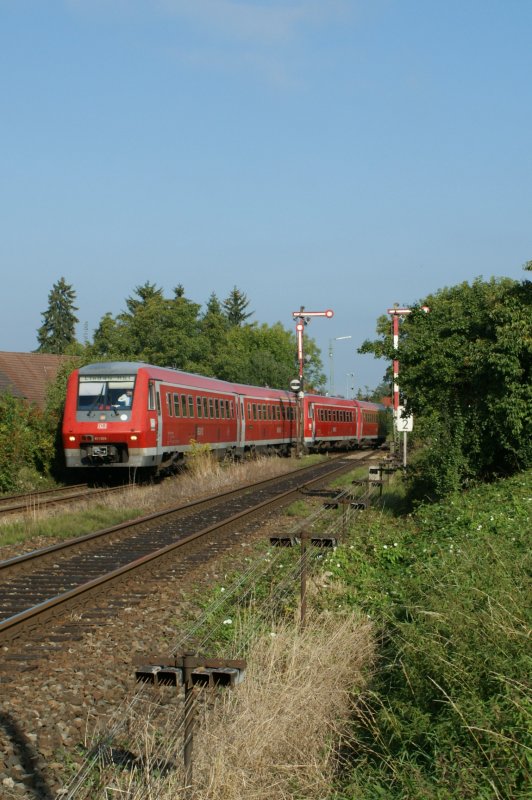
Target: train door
point(240, 422)
point(357, 424)
point(159, 418)
point(155, 415)
point(311, 432)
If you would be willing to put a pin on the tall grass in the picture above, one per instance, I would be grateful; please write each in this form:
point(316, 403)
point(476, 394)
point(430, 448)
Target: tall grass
point(204, 476)
point(276, 736)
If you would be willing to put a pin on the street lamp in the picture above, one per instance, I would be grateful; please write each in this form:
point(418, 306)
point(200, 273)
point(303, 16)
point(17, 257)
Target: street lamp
point(331, 361)
point(347, 376)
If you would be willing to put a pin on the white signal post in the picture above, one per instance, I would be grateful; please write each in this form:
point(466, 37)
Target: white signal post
point(396, 313)
point(303, 318)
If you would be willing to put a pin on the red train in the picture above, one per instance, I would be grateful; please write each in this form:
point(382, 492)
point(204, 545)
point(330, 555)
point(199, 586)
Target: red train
point(129, 415)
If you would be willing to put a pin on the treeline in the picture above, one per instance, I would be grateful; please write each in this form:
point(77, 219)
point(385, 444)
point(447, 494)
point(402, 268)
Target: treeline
point(219, 340)
point(465, 371)
point(465, 374)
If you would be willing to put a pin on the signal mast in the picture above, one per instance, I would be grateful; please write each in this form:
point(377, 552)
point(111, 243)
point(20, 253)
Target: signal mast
point(400, 423)
point(303, 318)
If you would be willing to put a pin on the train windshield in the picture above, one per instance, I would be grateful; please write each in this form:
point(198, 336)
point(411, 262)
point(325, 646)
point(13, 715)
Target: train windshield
point(105, 392)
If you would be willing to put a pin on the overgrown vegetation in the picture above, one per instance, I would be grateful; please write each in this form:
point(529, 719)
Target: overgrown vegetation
point(26, 445)
point(449, 711)
point(466, 374)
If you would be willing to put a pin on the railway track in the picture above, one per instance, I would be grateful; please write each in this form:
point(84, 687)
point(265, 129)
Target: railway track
point(45, 587)
point(37, 501)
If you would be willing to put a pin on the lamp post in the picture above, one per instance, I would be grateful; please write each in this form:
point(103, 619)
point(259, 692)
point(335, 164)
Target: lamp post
point(331, 361)
point(347, 376)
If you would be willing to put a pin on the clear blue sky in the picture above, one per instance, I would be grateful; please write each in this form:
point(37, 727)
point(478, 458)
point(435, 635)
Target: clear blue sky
point(342, 154)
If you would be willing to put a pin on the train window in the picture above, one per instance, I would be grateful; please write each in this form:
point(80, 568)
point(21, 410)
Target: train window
point(177, 408)
point(169, 404)
point(264, 411)
point(199, 407)
point(216, 408)
point(211, 407)
point(184, 405)
point(230, 409)
point(190, 406)
point(254, 408)
point(151, 396)
point(205, 407)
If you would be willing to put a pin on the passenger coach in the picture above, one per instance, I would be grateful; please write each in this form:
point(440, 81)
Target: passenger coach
point(134, 415)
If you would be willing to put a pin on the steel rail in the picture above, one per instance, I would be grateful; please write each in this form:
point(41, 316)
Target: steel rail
point(189, 507)
point(13, 627)
point(40, 500)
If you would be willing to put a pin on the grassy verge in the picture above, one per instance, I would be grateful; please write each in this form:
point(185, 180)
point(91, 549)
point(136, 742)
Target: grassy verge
point(204, 476)
point(449, 713)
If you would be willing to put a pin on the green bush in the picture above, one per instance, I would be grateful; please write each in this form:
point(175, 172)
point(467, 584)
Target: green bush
point(449, 713)
point(26, 444)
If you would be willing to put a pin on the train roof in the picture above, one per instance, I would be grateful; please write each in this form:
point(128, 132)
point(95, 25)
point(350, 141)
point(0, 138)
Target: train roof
point(193, 379)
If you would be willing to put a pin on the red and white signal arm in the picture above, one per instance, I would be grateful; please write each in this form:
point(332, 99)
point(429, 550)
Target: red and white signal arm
point(404, 424)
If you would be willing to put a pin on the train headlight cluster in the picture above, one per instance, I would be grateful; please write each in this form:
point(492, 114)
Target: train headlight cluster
point(71, 438)
point(133, 437)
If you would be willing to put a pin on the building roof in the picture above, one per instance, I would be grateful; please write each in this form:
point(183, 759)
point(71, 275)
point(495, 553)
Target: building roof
point(28, 375)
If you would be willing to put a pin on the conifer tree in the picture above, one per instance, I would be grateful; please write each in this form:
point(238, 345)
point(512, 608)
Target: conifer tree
point(235, 306)
point(57, 331)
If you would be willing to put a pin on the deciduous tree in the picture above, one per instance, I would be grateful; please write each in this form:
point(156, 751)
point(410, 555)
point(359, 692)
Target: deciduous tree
point(465, 372)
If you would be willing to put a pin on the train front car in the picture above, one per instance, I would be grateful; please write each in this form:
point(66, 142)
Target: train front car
point(103, 421)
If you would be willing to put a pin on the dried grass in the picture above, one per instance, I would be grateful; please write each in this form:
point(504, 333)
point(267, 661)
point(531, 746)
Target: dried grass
point(275, 736)
point(204, 476)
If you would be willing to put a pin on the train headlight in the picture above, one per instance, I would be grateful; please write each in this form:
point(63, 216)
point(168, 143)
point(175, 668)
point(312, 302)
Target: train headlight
point(71, 438)
point(133, 437)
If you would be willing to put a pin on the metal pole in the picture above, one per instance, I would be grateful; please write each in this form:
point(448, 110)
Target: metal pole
point(331, 368)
